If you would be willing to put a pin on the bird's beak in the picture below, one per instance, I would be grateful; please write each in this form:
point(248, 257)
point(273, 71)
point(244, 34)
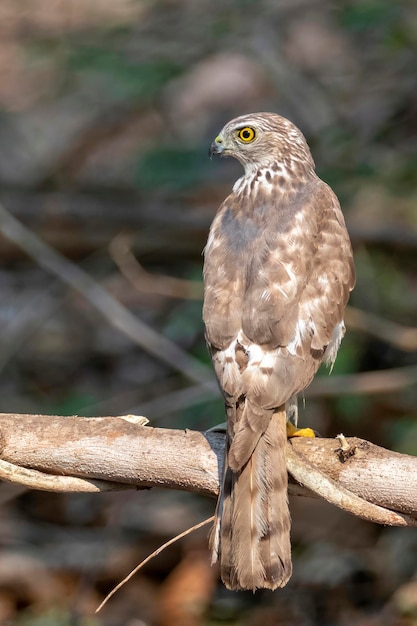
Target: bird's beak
point(217, 147)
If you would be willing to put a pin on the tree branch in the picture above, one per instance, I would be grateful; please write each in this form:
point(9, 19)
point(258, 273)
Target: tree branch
point(101, 453)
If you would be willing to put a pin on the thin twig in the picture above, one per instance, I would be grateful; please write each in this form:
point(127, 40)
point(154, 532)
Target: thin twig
point(151, 556)
point(120, 317)
point(121, 252)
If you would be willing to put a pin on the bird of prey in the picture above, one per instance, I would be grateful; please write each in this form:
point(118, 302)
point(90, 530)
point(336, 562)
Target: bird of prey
point(278, 270)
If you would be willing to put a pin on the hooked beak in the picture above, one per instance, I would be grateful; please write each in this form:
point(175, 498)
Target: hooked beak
point(217, 147)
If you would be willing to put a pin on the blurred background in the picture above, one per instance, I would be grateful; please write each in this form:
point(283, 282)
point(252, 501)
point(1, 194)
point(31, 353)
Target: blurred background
point(107, 110)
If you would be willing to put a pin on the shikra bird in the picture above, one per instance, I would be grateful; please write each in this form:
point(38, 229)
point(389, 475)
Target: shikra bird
point(278, 270)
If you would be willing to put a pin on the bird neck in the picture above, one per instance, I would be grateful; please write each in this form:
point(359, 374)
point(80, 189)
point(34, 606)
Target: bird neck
point(283, 176)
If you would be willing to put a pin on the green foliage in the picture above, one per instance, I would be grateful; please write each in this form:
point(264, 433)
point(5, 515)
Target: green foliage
point(185, 321)
point(401, 432)
point(171, 168)
point(352, 409)
point(387, 21)
point(202, 416)
point(390, 289)
point(74, 403)
point(404, 176)
point(364, 16)
point(124, 77)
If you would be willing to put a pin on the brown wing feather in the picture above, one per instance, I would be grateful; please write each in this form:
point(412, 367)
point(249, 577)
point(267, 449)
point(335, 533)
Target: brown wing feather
point(287, 293)
point(224, 279)
point(303, 274)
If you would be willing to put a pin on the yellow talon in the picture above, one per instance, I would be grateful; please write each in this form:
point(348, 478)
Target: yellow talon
point(292, 431)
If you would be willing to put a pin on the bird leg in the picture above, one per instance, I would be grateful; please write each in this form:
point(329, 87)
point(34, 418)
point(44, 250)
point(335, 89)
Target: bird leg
point(292, 431)
point(291, 408)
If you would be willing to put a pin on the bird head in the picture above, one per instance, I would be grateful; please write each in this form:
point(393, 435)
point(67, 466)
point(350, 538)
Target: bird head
point(261, 140)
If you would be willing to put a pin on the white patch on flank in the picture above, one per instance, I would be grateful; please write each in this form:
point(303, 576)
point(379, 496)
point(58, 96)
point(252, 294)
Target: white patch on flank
point(334, 345)
point(255, 354)
point(230, 376)
point(303, 329)
point(258, 358)
point(231, 349)
point(269, 358)
point(240, 338)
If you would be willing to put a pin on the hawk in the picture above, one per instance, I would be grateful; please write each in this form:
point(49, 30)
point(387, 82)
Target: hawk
point(278, 270)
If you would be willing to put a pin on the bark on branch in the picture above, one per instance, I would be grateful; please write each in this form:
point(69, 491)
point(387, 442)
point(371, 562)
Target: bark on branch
point(97, 454)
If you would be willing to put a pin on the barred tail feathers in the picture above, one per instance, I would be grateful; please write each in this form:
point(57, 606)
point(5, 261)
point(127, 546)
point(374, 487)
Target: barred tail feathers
point(251, 534)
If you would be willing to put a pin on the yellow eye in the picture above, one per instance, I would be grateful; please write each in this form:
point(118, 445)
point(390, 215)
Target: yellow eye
point(246, 134)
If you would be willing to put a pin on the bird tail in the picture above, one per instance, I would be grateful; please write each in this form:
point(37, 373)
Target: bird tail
point(251, 532)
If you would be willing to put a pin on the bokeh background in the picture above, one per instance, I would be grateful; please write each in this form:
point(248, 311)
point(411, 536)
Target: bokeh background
point(107, 109)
